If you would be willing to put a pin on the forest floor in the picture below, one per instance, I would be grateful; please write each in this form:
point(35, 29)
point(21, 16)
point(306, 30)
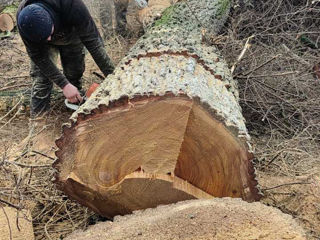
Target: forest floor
point(279, 95)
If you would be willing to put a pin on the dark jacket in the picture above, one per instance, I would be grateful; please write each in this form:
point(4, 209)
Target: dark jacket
point(72, 22)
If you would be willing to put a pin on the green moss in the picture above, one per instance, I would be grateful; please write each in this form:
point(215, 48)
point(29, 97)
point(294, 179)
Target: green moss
point(11, 9)
point(223, 6)
point(166, 16)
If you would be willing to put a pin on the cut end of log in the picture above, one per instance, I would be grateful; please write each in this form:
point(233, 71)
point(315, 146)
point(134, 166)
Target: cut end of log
point(6, 22)
point(147, 151)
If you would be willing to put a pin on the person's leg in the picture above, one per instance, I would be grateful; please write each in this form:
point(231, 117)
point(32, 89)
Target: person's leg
point(39, 106)
point(41, 88)
point(72, 60)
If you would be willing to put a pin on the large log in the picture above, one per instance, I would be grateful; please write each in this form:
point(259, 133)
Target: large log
point(166, 126)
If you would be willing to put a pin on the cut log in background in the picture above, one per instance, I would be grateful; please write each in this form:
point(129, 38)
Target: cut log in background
point(8, 18)
point(166, 126)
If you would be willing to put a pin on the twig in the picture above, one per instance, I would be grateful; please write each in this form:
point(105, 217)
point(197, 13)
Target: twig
point(246, 47)
point(269, 75)
point(295, 56)
point(266, 114)
point(12, 109)
point(45, 226)
point(10, 204)
point(285, 184)
point(17, 221)
point(10, 231)
point(43, 155)
point(274, 158)
point(10, 120)
point(98, 75)
point(15, 86)
point(260, 66)
point(70, 218)
point(26, 165)
point(21, 155)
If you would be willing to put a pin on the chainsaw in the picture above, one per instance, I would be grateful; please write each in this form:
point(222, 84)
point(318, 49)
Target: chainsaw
point(75, 106)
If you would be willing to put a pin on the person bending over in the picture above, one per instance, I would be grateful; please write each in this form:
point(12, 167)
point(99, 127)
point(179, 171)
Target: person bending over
point(49, 27)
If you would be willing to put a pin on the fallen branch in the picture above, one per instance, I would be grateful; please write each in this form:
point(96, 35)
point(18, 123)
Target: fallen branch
point(27, 165)
point(42, 154)
point(15, 86)
point(12, 109)
point(268, 75)
point(285, 184)
point(13, 117)
point(246, 47)
point(10, 204)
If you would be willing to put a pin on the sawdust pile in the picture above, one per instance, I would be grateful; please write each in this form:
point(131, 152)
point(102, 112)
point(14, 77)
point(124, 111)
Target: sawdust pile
point(199, 219)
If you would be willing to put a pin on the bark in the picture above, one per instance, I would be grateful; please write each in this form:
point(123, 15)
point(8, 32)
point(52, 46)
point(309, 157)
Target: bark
point(5, 3)
point(153, 11)
point(166, 126)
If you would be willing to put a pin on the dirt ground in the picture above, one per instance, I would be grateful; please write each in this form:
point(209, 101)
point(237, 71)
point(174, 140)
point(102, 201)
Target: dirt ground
point(287, 158)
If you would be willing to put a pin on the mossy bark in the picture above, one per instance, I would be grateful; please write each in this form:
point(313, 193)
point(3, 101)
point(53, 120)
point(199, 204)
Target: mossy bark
point(5, 3)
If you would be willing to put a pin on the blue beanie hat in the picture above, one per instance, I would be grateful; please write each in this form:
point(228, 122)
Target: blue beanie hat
point(35, 23)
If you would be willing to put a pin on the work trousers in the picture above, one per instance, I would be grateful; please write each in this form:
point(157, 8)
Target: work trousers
point(73, 64)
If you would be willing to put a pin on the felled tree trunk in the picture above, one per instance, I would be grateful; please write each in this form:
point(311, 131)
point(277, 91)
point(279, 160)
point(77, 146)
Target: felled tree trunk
point(165, 127)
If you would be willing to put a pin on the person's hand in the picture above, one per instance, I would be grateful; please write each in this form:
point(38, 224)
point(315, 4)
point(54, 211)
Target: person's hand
point(72, 94)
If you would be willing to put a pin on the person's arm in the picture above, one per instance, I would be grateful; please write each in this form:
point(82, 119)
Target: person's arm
point(39, 54)
point(90, 37)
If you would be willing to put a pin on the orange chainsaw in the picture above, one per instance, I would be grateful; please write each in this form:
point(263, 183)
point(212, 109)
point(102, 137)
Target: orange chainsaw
point(75, 106)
